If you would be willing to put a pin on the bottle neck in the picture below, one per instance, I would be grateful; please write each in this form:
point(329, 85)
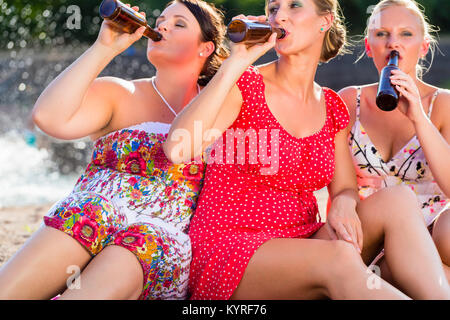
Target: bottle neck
point(152, 34)
point(281, 33)
point(393, 60)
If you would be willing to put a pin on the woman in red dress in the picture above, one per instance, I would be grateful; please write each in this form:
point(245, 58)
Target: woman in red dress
point(278, 138)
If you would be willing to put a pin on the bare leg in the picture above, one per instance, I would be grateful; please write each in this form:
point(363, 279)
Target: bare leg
point(441, 237)
point(300, 269)
point(385, 273)
point(115, 273)
point(393, 215)
point(39, 270)
point(309, 269)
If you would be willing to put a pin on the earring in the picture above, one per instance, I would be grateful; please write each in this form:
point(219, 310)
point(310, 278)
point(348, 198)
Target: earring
point(321, 29)
point(201, 54)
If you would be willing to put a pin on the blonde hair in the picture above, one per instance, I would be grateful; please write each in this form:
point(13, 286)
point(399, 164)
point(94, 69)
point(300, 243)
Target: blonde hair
point(335, 42)
point(427, 28)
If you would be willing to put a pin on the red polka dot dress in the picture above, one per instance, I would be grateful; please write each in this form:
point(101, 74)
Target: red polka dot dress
point(260, 192)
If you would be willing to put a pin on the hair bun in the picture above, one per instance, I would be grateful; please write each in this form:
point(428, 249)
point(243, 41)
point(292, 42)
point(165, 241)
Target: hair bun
point(335, 42)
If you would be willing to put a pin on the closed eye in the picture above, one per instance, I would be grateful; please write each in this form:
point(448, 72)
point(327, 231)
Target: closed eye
point(180, 23)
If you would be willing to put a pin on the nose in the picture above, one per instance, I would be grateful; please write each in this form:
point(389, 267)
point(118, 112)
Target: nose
point(162, 26)
point(393, 42)
point(280, 16)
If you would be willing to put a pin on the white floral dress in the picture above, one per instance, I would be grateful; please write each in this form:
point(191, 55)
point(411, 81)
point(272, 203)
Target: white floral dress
point(132, 196)
point(408, 167)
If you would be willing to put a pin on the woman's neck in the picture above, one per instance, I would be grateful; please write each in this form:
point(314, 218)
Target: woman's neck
point(424, 88)
point(178, 87)
point(296, 74)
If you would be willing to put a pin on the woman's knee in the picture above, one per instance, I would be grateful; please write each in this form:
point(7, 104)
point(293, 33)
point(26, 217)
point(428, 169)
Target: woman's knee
point(345, 253)
point(398, 194)
point(112, 274)
point(344, 261)
point(40, 269)
point(396, 202)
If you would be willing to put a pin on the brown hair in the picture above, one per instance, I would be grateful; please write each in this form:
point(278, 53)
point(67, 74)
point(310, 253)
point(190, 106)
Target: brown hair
point(335, 41)
point(427, 28)
point(213, 29)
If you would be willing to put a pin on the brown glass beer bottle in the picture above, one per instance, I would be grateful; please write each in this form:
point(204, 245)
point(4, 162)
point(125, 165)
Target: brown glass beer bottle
point(250, 32)
point(126, 19)
point(387, 96)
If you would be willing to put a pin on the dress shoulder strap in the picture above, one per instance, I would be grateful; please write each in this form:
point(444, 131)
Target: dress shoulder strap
point(432, 102)
point(358, 102)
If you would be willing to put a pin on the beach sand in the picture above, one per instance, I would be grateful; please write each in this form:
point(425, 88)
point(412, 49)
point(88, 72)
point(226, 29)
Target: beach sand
point(17, 224)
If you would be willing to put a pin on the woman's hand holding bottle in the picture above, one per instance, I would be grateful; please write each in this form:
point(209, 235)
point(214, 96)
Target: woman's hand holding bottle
point(69, 109)
point(116, 41)
point(242, 55)
point(411, 104)
point(219, 103)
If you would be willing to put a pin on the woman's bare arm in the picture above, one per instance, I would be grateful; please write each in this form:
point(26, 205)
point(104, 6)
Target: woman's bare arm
point(436, 143)
point(76, 104)
point(215, 108)
point(343, 222)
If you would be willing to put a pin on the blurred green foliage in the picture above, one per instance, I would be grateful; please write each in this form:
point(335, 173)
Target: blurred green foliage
point(25, 23)
point(446, 84)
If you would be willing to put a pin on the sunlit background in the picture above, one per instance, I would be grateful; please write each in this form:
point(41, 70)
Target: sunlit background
point(41, 38)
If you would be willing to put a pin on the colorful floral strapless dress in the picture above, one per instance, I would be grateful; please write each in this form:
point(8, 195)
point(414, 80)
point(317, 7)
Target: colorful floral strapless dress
point(132, 196)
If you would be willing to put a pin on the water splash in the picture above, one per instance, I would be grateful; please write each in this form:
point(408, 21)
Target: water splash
point(27, 174)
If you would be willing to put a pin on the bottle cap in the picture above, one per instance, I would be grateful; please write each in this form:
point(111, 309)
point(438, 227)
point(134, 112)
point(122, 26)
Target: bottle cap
point(394, 53)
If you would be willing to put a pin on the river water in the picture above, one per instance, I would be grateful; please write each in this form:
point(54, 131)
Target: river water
point(35, 168)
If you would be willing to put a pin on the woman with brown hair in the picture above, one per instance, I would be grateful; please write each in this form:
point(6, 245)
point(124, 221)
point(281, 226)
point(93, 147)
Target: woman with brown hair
point(124, 225)
point(255, 233)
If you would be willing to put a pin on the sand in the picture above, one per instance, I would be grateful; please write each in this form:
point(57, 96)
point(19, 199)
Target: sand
point(17, 224)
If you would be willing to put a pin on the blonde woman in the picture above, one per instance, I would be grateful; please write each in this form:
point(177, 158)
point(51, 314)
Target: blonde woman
point(255, 233)
point(410, 145)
